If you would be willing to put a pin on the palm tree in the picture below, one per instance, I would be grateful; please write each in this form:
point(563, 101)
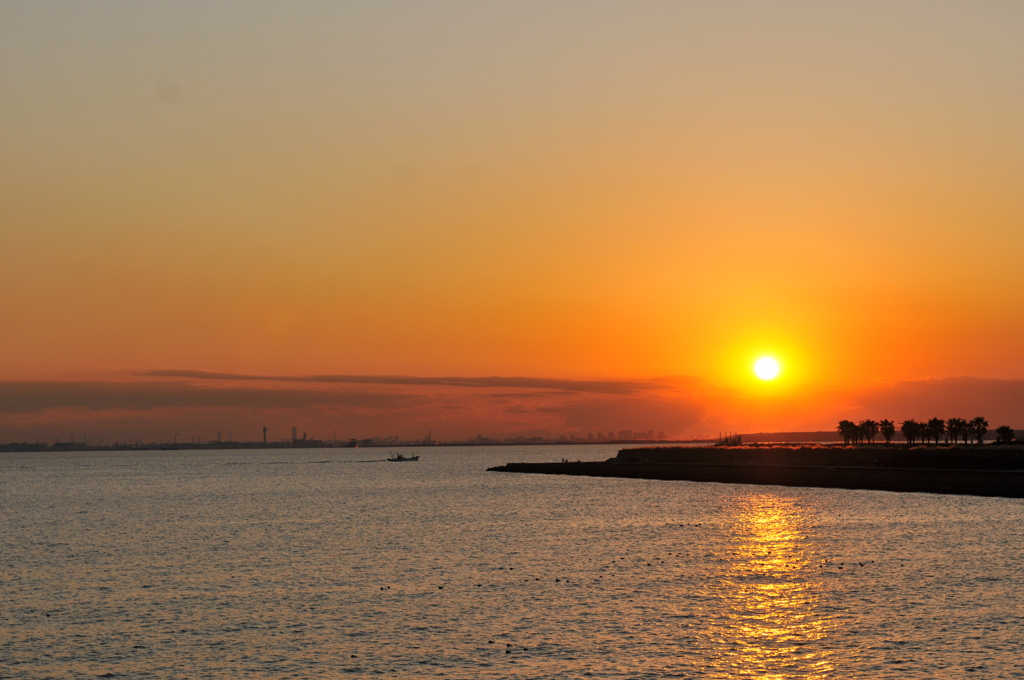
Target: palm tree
point(936, 428)
point(957, 429)
point(848, 430)
point(979, 426)
point(888, 429)
point(869, 428)
point(910, 429)
point(926, 433)
point(1004, 434)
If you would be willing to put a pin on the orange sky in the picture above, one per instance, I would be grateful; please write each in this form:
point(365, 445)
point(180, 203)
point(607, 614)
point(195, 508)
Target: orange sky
point(588, 191)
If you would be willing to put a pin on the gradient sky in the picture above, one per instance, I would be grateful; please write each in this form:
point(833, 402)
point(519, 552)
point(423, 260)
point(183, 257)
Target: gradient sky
point(562, 191)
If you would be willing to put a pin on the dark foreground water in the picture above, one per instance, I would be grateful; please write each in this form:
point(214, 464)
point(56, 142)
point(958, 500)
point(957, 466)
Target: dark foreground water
point(309, 563)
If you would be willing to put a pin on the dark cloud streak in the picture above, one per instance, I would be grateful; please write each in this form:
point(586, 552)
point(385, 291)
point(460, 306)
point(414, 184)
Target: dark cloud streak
point(24, 397)
point(597, 386)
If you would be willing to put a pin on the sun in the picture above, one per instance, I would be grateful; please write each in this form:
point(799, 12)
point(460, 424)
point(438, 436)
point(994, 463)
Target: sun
point(766, 368)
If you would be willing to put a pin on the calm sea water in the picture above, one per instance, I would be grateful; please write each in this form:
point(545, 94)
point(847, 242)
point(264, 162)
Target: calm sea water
point(311, 563)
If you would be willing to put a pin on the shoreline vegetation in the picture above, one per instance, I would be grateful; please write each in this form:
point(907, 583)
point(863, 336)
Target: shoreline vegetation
point(975, 470)
point(935, 430)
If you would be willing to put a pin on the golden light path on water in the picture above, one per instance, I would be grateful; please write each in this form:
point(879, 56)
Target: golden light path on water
point(774, 622)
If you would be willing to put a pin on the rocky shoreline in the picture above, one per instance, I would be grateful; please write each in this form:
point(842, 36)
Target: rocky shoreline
point(974, 471)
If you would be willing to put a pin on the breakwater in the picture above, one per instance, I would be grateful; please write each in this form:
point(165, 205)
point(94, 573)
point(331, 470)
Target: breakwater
point(975, 471)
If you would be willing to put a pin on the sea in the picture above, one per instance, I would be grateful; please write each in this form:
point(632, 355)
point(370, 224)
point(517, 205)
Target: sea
point(332, 563)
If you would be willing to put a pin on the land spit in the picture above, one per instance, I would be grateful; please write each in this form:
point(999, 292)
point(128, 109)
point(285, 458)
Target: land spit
point(987, 470)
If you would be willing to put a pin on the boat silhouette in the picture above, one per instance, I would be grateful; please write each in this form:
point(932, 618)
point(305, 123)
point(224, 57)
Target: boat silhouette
point(399, 458)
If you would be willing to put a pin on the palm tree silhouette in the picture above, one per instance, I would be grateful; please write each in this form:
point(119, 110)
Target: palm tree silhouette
point(848, 431)
point(910, 429)
point(869, 429)
point(888, 429)
point(979, 426)
point(936, 428)
point(957, 429)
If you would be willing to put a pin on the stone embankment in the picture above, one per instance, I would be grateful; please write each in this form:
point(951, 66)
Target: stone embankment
point(967, 470)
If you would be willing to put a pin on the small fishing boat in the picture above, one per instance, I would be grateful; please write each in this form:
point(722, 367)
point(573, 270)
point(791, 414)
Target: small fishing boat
point(399, 458)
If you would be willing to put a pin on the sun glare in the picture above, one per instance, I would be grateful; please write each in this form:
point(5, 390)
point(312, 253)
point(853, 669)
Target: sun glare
point(766, 368)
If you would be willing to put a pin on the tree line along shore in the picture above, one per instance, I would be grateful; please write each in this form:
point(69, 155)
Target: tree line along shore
point(935, 430)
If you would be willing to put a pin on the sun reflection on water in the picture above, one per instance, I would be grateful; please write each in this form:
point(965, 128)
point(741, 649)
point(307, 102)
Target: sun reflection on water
point(774, 623)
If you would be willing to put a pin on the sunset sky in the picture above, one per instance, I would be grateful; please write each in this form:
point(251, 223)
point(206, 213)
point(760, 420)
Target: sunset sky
point(571, 217)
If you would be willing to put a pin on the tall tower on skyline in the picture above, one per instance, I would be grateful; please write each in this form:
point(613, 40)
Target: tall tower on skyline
point(264, 434)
